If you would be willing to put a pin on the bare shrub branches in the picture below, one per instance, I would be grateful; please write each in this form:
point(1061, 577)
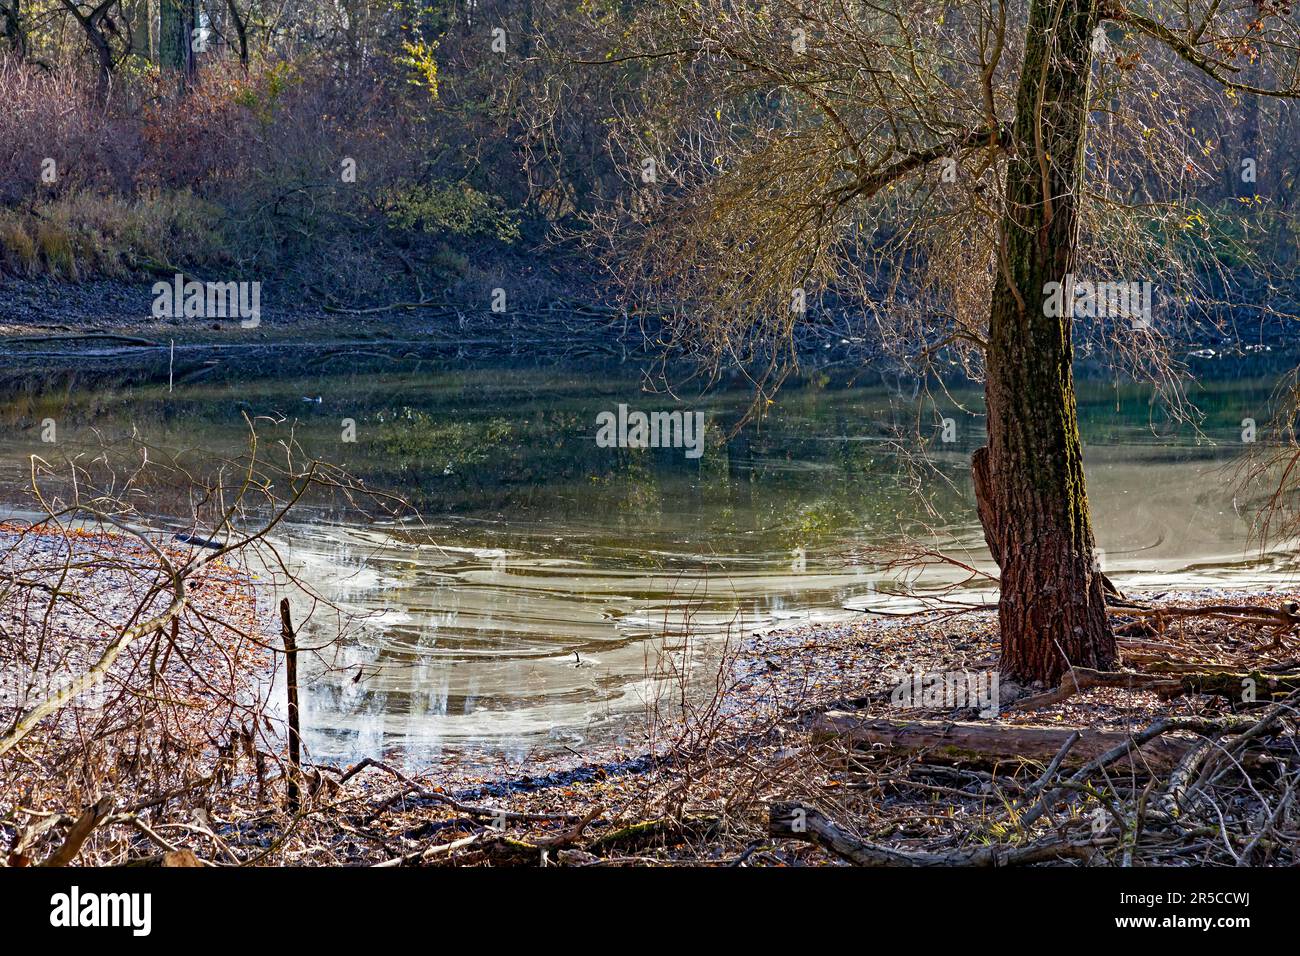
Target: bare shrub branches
point(139, 634)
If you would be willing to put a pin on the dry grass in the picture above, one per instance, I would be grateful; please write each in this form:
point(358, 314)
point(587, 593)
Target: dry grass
point(17, 247)
point(55, 246)
point(80, 236)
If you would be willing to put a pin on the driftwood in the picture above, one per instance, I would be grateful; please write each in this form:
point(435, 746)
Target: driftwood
point(1091, 810)
point(796, 821)
point(1242, 686)
point(1287, 616)
point(429, 852)
point(986, 742)
point(76, 336)
point(392, 307)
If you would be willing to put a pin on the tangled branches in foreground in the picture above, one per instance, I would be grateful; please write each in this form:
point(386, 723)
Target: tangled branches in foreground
point(136, 664)
point(785, 766)
point(784, 749)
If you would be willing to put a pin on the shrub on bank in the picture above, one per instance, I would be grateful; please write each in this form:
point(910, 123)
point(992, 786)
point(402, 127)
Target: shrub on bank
point(81, 235)
point(341, 185)
point(55, 139)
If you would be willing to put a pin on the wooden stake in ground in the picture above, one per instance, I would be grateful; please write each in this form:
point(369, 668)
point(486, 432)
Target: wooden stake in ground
point(291, 688)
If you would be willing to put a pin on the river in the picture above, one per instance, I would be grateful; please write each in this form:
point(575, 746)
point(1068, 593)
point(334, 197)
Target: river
point(530, 607)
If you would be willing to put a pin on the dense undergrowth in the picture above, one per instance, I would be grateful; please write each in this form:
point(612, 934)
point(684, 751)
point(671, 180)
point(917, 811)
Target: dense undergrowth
point(341, 188)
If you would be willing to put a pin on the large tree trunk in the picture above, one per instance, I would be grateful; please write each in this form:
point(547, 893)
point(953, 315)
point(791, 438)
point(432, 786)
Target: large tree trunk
point(176, 20)
point(138, 17)
point(1034, 506)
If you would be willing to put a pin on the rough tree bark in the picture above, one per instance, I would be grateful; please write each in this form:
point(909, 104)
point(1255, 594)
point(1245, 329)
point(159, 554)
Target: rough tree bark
point(1033, 502)
point(176, 20)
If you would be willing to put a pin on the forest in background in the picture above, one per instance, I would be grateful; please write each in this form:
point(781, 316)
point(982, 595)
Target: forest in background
point(374, 151)
point(357, 152)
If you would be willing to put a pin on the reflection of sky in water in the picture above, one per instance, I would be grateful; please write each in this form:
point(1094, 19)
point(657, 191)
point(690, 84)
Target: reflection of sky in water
point(554, 577)
point(463, 648)
point(460, 645)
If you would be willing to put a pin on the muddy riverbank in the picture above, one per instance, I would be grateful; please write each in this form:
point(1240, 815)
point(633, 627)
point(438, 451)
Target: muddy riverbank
point(709, 779)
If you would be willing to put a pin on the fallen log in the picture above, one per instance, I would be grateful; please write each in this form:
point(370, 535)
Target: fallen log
point(1280, 622)
point(986, 742)
point(1171, 680)
point(1241, 686)
point(799, 822)
point(1288, 615)
point(77, 336)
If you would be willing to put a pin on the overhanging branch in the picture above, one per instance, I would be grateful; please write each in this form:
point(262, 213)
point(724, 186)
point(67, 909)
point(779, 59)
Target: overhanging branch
point(869, 183)
point(1188, 51)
